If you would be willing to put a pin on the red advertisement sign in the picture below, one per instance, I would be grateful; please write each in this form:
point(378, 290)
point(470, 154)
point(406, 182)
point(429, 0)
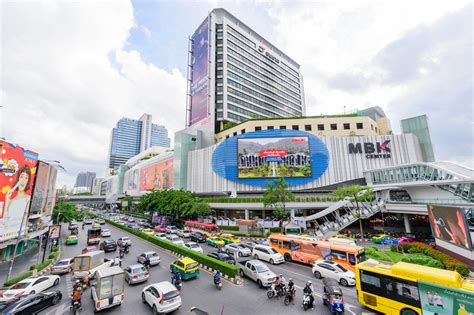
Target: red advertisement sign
point(17, 177)
point(157, 176)
point(280, 153)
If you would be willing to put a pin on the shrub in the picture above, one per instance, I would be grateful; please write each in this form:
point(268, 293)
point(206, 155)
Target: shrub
point(17, 279)
point(229, 228)
point(53, 255)
point(41, 266)
point(394, 248)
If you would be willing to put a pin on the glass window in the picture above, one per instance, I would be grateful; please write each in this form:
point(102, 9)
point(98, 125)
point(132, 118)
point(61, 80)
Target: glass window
point(333, 126)
point(347, 126)
point(270, 128)
point(337, 254)
point(372, 127)
point(295, 127)
point(352, 260)
point(376, 129)
point(360, 125)
point(320, 127)
point(242, 131)
point(227, 137)
point(307, 127)
point(258, 128)
point(282, 127)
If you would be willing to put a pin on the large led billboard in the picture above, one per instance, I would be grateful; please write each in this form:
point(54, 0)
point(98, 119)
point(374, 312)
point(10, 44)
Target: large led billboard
point(449, 224)
point(17, 177)
point(157, 176)
point(273, 157)
point(199, 86)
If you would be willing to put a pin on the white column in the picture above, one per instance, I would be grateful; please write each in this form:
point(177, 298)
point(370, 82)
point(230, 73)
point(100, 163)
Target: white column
point(247, 214)
point(406, 219)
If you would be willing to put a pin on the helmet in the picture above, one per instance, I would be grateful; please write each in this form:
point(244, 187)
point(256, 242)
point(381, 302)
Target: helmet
point(290, 279)
point(77, 281)
point(309, 282)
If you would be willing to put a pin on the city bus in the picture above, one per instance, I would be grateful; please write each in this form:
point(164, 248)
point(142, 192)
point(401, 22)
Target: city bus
point(308, 250)
point(204, 228)
point(409, 289)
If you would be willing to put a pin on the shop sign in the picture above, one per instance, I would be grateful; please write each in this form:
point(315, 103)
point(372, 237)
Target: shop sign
point(371, 150)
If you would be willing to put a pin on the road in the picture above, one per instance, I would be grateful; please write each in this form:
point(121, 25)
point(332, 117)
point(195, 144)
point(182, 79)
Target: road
point(233, 299)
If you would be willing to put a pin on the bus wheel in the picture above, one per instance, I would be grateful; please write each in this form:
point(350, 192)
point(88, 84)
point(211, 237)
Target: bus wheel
point(408, 312)
point(287, 257)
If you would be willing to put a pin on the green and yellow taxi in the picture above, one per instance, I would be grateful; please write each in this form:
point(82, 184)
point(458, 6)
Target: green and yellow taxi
point(149, 232)
point(72, 240)
point(187, 267)
point(215, 241)
point(229, 238)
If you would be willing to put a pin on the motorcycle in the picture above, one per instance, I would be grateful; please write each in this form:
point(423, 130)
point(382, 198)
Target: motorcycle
point(289, 297)
point(127, 249)
point(306, 301)
point(272, 292)
point(218, 284)
point(178, 284)
point(121, 253)
point(75, 307)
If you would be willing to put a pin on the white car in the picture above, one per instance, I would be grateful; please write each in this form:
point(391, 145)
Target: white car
point(105, 233)
point(163, 236)
point(31, 286)
point(175, 239)
point(171, 229)
point(238, 248)
point(162, 297)
point(329, 269)
point(183, 233)
point(194, 246)
point(267, 253)
point(153, 256)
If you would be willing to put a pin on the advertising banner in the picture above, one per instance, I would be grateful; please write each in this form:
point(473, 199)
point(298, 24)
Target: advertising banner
point(441, 300)
point(274, 157)
point(157, 176)
point(54, 231)
point(200, 74)
point(40, 194)
point(133, 179)
point(17, 178)
point(449, 224)
point(51, 191)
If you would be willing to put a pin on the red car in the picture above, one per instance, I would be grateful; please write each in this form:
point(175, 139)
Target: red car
point(160, 229)
point(405, 240)
point(89, 249)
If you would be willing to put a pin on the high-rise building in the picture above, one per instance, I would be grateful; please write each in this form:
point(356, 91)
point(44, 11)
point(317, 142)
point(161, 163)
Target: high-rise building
point(419, 126)
point(131, 137)
point(235, 74)
point(84, 180)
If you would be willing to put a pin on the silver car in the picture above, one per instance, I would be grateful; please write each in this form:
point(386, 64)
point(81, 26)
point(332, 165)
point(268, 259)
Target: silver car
point(136, 273)
point(153, 256)
point(62, 266)
point(238, 248)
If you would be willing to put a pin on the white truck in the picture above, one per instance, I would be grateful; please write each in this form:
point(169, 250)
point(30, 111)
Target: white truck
point(89, 263)
point(258, 272)
point(108, 289)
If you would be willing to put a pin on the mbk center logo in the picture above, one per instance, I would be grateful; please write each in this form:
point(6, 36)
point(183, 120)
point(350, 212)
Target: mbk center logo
point(371, 150)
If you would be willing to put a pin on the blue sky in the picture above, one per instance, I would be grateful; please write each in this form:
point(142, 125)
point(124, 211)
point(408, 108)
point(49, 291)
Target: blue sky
point(71, 70)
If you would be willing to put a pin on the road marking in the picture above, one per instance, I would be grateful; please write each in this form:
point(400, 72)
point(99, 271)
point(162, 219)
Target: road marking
point(59, 309)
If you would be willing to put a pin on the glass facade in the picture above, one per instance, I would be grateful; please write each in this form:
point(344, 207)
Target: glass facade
point(184, 143)
point(159, 136)
point(419, 126)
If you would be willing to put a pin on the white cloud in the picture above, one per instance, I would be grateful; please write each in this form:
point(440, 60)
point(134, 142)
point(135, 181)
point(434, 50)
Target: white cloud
point(67, 79)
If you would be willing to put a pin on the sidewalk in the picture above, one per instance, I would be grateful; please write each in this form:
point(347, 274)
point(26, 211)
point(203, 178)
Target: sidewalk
point(22, 264)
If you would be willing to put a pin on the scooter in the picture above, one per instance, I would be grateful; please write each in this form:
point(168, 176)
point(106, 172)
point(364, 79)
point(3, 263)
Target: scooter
point(121, 253)
point(178, 284)
point(272, 292)
point(306, 301)
point(75, 307)
point(289, 297)
point(218, 284)
point(127, 249)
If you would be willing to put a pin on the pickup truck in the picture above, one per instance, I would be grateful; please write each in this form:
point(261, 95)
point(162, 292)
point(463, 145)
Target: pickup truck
point(257, 271)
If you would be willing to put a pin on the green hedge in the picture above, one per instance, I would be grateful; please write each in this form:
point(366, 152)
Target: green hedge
point(225, 268)
point(17, 279)
point(54, 255)
point(228, 228)
point(41, 266)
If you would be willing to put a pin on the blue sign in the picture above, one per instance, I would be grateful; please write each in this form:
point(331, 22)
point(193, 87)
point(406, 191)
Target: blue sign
point(273, 159)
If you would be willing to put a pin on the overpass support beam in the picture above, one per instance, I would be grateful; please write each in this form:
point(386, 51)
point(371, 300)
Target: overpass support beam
point(406, 219)
point(247, 216)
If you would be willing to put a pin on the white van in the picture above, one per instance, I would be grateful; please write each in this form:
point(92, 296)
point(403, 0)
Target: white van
point(267, 253)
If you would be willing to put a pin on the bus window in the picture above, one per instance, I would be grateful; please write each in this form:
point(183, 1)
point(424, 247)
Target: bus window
point(274, 241)
point(352, 259)
point(360, 257)
point(337, 254)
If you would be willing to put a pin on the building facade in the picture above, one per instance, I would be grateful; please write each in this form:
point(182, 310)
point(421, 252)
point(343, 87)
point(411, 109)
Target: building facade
point(131, 137)
point(419, 126)
point(84, 181)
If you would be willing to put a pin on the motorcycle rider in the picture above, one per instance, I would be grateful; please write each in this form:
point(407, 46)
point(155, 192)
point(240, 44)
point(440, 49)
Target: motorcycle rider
point(175, 277)
point(127, 248)
point(291, 290)
point(278, 284)
point(85, 281)
point(308, 289)
point(76, 296)
point(77, 285)
point(217, 277)
point(117, 261)
point(147, 263)
point(121, 251)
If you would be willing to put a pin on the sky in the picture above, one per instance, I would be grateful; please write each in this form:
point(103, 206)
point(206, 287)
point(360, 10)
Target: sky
point(71, 70)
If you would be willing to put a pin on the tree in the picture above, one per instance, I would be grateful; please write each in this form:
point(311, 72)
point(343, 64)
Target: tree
point(276, 196)
point(357, 194)
point(64, 212)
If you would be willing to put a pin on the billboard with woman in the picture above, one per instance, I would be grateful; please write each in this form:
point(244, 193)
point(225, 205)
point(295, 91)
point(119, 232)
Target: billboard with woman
point(449, 224)
point(17, 177)
point(157, 176)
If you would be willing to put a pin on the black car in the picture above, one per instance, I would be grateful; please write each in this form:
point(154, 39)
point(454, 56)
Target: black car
point(222, 257)
point(108, 246)
point(197, 237)
point(32, 304)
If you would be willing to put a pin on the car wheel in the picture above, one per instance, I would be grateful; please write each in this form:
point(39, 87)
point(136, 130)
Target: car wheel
point(242, 274)
point(343, 282)
point(271, 261)
point(407, 312)
point(56, 282)
point(55, 300)
point(143, 298)
point(32, 292)
point(259, 283)
point(155, 311)
point(240, 254)
point(317, 274)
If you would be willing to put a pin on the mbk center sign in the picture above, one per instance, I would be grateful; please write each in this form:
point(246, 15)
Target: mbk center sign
point(372, 150)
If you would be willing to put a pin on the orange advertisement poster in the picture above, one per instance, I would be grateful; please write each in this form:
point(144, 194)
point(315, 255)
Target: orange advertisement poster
point(157, 176)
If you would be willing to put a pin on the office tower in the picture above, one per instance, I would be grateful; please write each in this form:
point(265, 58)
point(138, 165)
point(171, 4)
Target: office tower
point(419, 126)
point(84, 181)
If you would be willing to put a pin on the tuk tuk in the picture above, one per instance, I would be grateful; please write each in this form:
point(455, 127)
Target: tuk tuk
point(332, 296)
point(108, 289)
point(187, 267)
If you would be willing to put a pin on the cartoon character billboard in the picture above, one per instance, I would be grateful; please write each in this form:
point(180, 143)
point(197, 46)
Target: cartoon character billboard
point(440, 300)
point(17, 177)
point(157, 176)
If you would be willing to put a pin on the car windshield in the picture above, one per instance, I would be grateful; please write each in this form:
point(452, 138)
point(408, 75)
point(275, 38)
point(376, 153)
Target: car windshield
point(152, 255)
point(174, 238)
point(240, 246)
point(105, 230)
point(21, 285)
point(272, 251)
point(125, 238)
point(62, 263)
point(192, 265)
point(138, 270)
point(262, 268)
point(341, 268)
point(171, 294)
point(193, 245)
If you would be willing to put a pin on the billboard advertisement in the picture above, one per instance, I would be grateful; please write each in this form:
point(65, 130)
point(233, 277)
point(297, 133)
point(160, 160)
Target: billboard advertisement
point(54, 231)
point(40, 194)
point(274, 157)
point(449, 224)
point(157, 176)
point(133, 177)
point(441, 300)
point(17, 178)
point(199, 86)
point(51, 191)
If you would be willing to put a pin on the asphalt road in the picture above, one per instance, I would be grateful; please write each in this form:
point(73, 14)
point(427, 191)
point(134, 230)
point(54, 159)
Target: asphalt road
point(233, 299)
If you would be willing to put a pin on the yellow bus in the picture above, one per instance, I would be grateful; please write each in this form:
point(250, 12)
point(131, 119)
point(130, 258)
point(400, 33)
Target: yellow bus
point(394, 289)
point(308, 250)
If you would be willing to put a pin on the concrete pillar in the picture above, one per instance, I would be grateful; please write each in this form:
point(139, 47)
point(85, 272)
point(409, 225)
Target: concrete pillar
point(292, 214)
point(305, 212)
point(225, 213)
point(263, 214)
point(406, 219)
point(246, 214)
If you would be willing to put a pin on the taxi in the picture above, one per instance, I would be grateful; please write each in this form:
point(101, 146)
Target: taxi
point(344, 237)
point(377, 239)
point(215, 241)
point(187, 267)
point(229, 238)
point(148, 232)
point(95, 226)
point(72, 240)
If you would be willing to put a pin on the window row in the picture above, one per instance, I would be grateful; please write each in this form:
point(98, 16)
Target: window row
point(250, 55)
point(241, 37)
point(257, 109)
point(290, 110)
point(236, 117)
